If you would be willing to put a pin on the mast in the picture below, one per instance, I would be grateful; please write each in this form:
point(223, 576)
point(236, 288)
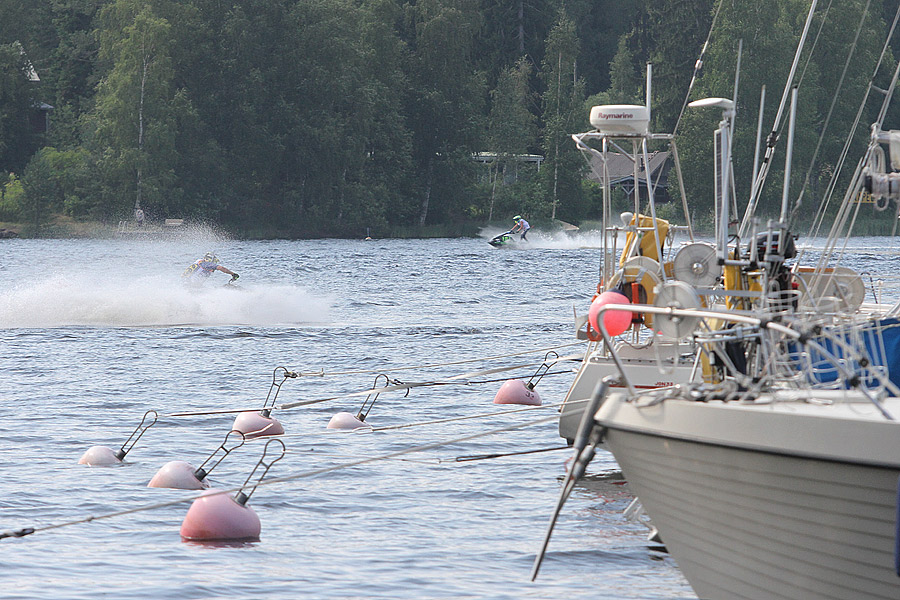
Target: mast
point(756, 189)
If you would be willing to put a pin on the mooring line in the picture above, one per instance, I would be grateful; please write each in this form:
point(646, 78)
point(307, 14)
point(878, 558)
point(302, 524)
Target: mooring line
point(398, 386)
point(370, 429)
point(421, 461)
point(467, 417)
point(311, 473)
point(391, 427)
point(434, 365)
point(202, 413)
point(453, 380)
point(474, 457)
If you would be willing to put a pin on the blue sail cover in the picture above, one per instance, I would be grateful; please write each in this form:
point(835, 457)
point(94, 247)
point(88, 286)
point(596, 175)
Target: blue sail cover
point(877, 341)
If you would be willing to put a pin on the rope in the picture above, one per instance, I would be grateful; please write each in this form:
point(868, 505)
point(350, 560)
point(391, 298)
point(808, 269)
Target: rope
point(370, 429)
point(322, 373)
point(311, 473)
point(389, 388)
point(466, 418)
point(454, 380)
point(505, 454)
point(201, 413)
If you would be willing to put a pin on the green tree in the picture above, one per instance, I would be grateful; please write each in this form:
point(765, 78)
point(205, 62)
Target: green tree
point(248, 109)
point(445, 103)
point(11, 195)
point(512, 128)
point(563, 114)
point(513, 29)
point(347, 133)
point(17, 141)
point(57, 182)
point(600, 24)
point(669, 34)
point(770, 31)
point(134, 119)
point(69, 77)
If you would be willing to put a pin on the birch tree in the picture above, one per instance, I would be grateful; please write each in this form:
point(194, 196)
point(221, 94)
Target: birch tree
point(134, 120)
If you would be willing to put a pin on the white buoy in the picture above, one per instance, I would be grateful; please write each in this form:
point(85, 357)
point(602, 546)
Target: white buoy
point(515, 391)
point(179, 475)
point(253, 424)
point(99, 456)
point(345, 420)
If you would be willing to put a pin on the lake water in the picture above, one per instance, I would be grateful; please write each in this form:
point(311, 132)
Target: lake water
point(93, 333)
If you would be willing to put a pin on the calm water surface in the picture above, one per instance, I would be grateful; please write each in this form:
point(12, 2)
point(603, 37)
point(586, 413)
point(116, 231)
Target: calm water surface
point(94, 333)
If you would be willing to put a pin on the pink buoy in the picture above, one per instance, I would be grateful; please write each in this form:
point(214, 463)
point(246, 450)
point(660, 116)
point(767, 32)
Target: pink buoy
point(515, 391)
point(219, 517)
point(345, 420)
point(99, 456)
point(179, 475)
point(252, 425)
point(615, 321)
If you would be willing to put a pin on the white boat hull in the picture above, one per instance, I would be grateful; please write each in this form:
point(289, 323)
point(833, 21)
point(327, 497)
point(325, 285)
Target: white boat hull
point(786, 501)
point(640, 367)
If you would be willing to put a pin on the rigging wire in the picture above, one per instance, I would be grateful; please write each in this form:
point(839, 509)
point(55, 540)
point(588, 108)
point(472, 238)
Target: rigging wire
point(847, 207)
point(697, 66)
point(815, 43)
point(831, 108)
point(829, 192)
point(834, 98)
point(772, 139)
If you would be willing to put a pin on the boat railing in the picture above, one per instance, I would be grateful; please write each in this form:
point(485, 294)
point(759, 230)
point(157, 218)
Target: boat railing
point(831, 352)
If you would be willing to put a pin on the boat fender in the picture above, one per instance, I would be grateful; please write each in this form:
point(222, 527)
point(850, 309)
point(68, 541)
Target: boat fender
point(615, 321)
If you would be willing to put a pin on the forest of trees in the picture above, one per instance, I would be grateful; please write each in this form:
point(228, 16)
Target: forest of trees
point(301, 118)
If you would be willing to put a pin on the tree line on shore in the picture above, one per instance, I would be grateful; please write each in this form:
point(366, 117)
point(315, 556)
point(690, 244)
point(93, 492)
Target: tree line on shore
point(304, 118)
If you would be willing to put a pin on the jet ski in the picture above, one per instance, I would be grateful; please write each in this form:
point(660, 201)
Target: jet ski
point(501, 240)
point(231, 285)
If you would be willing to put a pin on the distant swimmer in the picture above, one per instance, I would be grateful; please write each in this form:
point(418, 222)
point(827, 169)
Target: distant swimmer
point(202, 268)
point(521, 225)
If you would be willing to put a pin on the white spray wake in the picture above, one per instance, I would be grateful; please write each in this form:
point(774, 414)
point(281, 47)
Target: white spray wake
point(80, 300)
point(557, 240)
